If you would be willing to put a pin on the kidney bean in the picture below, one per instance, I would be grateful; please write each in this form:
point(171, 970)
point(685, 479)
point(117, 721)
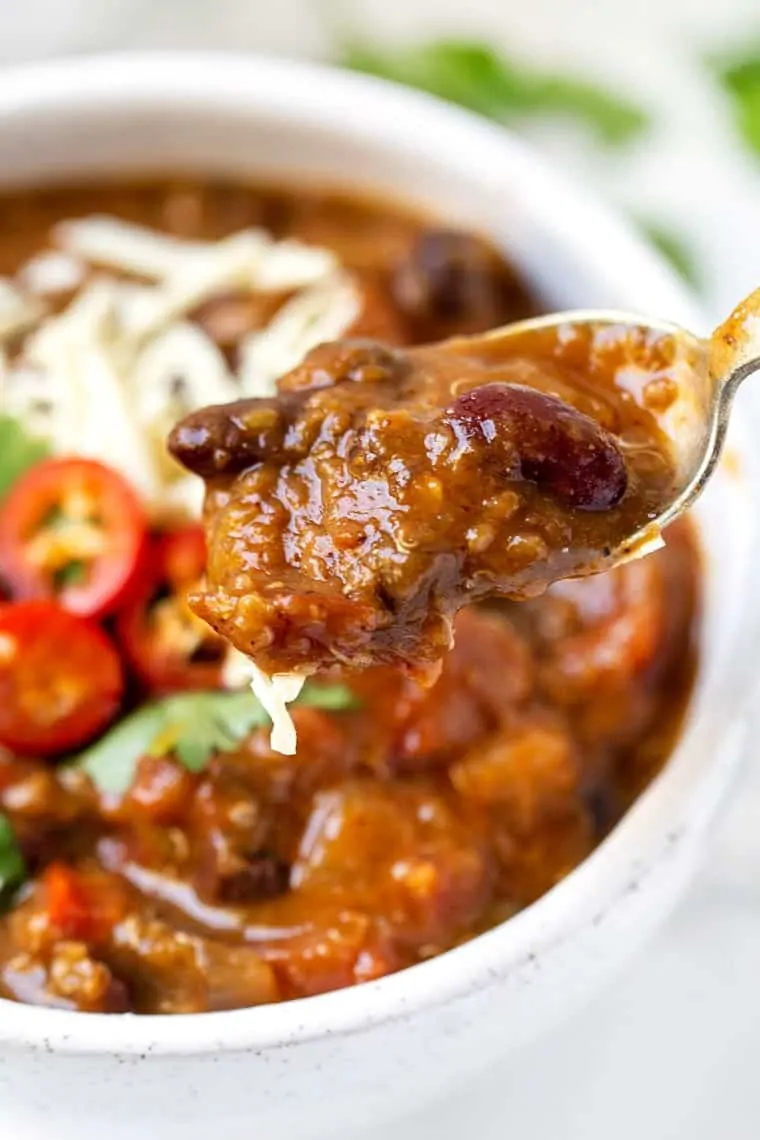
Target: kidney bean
point(450, 275)
point(261, 876)
point(557, 447)
point(231, 437)
point(228, 437)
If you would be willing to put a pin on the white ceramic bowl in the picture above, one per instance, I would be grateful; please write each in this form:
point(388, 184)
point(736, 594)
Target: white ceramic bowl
point(313, 1068)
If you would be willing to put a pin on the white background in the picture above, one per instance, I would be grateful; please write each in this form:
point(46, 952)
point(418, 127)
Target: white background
point(673, 1052)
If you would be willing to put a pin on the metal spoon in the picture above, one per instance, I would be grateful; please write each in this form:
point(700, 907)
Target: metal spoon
point(708, 373)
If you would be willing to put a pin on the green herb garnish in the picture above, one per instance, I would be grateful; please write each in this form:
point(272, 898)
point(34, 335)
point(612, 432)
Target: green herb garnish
point(190, 726)
point(12, 863)
point(331, 698)
point(740, 76)
point(674, 249)
point(476, 76)
point(18, 452)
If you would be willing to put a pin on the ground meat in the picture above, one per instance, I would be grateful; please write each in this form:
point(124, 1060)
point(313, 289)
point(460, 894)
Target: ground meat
point(68, 978)
point(351, 516)
point(173, 971)
point(420, 816)
point(398, 829)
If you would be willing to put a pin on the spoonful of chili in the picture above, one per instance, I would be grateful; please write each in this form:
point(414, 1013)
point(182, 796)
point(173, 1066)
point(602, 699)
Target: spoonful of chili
point(684, 384)
point(352, 514)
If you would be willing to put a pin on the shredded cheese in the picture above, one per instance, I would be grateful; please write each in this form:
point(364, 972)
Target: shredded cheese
point(39, 400)
point(223, 267)
point(236, 670)
point(104, 400)
point(17, 312)
point(52, 272)
point(290, 264)
point(182, 499)
point(178, 371)
point(320, 313)
point(107, 241)
point(93, 407)
point(110, 374)
point(256, 261)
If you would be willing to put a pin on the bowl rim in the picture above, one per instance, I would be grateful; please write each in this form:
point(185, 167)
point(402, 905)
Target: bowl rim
point(665, 813)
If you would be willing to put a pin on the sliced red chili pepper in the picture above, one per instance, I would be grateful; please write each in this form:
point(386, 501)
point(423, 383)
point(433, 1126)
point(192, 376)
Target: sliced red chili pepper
point(168, 647)
point(72, 530)
point(61, 679)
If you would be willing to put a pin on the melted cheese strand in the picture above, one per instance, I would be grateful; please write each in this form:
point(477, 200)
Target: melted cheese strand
point(275, 694)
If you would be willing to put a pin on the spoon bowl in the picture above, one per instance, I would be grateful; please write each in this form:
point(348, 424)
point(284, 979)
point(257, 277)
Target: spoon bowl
point(701, 376)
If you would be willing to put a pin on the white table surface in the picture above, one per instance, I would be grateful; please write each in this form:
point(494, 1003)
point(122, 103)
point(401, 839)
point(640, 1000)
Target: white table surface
point(672, 1051)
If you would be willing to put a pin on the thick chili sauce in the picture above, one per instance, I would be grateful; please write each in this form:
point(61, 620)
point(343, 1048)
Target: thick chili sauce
point(408, 821)
point(354, 513)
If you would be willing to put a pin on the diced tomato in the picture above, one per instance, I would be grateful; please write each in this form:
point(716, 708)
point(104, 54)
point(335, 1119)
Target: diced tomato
point(165, 643)
point(60, 679)
point(72, 530)
point(82, 906)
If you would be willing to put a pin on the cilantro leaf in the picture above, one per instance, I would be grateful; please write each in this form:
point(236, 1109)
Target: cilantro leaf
point(467, 73)
point(331, 698)
point(12, 864)
point(613, 120)
point(674, 249)
point(191, 726)
point(740, 76)
point(18, 452)
point(477, 76)
point(214, 724)
point(110, 762)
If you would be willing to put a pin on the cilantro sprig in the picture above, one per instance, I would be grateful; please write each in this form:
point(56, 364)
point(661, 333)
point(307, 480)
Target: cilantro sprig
point(12, 863)
point(739, 75)
point(477, 76)
point(480, 78)
point(191, 727)
point(18, 452)
point(673, 247)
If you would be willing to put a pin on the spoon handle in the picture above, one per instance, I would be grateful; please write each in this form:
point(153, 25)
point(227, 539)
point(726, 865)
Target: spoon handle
point(733, 354)
point(734, 347)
